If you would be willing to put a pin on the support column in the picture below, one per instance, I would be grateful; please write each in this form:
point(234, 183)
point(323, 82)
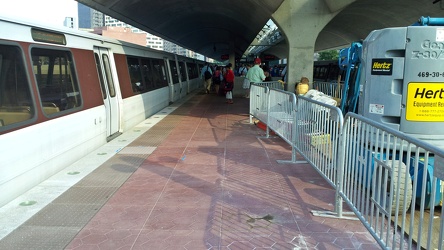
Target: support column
point(232, 60)
point(301, 21)
point(232, 55)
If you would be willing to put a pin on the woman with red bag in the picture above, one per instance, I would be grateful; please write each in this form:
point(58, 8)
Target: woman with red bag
point(229, 84)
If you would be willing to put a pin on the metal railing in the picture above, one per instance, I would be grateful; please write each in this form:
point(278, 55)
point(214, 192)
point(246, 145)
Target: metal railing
point(391, 181)
point(281, 112)
point(259, 102)
point(310, 127)
point(318, 132)
point(329, 88)
point(272, 84)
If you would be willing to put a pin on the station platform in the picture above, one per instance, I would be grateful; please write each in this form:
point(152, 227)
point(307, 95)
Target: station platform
point(197, 175)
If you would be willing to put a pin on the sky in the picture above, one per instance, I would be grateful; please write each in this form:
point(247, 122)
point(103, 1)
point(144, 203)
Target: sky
point(50, 12)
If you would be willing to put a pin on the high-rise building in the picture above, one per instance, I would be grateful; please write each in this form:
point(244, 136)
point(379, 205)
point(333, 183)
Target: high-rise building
point(152, 41)
point(176, 49)
point(70, 22)
point(89, 18)
point(94, 20)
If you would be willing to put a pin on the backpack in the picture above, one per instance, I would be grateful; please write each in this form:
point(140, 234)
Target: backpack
point(208, 75)
point(216, 77)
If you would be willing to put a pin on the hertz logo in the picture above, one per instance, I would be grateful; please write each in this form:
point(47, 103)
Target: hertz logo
point(384, 65)
point(428, 94)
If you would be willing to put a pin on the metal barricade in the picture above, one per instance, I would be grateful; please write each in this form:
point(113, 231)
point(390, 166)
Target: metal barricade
point(281, 113)
point(271, 85)
point(391, 181)
point(259, 102)
point(317, 131)
point(329, 88)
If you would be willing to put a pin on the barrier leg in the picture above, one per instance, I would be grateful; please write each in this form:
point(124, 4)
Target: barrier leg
point(338, 213)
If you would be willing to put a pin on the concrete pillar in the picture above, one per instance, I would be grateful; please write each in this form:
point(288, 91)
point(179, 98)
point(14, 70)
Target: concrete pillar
point(301, 21)
point(232, 55)
point(232, 60)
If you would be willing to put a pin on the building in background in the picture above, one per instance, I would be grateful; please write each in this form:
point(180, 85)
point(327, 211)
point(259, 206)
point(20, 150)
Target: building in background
point(89, 18)
point(174, 48)
point(94, 21)
point(152, 41)
point(70, 22)
point(121, 33)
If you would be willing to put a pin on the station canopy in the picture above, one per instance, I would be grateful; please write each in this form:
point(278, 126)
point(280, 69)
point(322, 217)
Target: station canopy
point(217, 28)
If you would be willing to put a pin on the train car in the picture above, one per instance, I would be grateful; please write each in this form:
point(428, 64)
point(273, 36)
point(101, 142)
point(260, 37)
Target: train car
point(323, 71)
point(64, 93)
point(327, 71)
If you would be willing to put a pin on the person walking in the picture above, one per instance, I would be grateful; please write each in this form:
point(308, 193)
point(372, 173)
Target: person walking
point(229, 84)
point(243, 70)
point(246, 82)
point(217, 79)
point(206, 74)
point(284, 74)
point(255, 73)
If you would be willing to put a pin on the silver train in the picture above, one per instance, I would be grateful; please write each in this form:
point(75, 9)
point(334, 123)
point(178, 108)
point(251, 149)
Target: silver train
point(64, 93)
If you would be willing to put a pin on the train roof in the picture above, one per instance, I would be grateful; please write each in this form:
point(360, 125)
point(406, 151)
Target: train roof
point(94, 39)
point(60, 29)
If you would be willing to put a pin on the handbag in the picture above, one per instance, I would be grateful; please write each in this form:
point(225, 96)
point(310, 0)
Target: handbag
point(228, 86)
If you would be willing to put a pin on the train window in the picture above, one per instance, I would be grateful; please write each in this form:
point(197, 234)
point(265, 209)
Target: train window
point(183, 73)
point(326, 71)
point(147, 74)
point(159, 73)
point(56, 80)
point(174, 71)
point(109, 76)
point(99, 70)
point(16, 104)
point(192, 70)
point(135, 74)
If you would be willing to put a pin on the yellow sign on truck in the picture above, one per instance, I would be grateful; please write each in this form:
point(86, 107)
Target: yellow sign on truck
point(425, 102)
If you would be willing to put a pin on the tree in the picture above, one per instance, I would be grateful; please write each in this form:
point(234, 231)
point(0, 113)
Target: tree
point(328, 55)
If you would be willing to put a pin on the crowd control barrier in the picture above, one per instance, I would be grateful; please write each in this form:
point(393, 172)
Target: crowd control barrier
point(259, 103)
point(281, 112)
point(329, 88)
point(310, 127)
point(390, 181)
point(317, 136)
point(271, 84)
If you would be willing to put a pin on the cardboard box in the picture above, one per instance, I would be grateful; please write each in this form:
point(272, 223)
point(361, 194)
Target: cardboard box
point(316, 139)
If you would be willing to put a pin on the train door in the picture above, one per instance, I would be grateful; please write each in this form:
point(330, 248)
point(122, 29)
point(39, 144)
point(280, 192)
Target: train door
point(170, 79)
point(179, 75)
point(108, 86)
point(187, 77)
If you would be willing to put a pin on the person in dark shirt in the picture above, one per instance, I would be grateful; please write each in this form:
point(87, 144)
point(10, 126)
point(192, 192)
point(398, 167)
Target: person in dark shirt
point(267, 74)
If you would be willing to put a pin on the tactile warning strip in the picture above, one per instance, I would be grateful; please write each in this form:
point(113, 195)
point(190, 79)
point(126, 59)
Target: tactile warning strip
point(57, 224)
point(137, 150)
